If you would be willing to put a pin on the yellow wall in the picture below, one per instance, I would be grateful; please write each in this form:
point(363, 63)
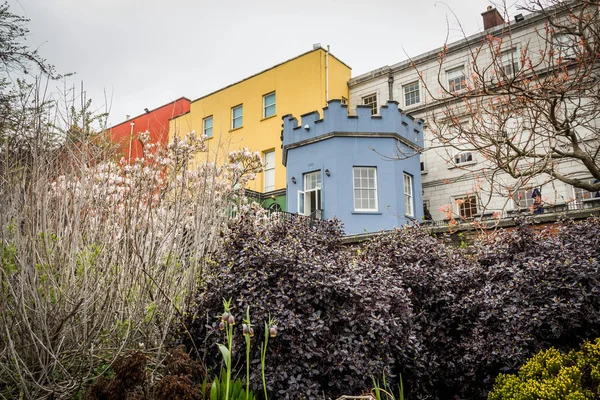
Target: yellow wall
point(299, 85)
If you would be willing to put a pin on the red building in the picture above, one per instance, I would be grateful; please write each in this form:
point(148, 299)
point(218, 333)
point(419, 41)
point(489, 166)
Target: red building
point(155, 121)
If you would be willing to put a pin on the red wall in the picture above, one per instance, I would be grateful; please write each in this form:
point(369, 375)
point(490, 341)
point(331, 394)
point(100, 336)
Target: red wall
point(155, 121)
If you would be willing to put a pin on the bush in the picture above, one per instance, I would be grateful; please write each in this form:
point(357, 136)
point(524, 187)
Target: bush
point(183, 379)
point(475, 316)
point(552, 375)
point(457, 319)
point(341, 319)
point(540, 290)
point(436, 278)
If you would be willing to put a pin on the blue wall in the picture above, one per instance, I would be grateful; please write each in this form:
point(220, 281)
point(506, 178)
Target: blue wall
point(340, 142)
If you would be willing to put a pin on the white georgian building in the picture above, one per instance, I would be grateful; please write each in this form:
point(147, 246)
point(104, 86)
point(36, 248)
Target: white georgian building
point(445, 175)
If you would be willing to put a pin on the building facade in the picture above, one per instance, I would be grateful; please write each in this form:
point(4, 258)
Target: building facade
point(247, 114)
point(454, 177)
point(155, 121)
point(336, 169)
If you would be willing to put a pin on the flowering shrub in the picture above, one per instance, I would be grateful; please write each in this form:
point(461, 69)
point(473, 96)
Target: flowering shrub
point(341, 320)
point(102, 257)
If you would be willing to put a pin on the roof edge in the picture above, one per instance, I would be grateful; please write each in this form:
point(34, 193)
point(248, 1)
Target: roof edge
point(268, 69)
point(154, 109)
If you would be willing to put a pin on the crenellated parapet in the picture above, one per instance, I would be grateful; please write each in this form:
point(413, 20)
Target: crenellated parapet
point(336, 122)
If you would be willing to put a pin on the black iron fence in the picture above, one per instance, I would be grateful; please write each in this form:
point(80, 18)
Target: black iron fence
point(490, 215)
point(313, 219)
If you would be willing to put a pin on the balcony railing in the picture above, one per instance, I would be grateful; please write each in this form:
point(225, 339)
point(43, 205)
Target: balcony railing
point(314, 218)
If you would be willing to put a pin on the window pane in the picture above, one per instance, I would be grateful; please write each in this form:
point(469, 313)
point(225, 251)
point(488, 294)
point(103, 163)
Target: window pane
point(269, 171)
point(456, 79)
point(467, 206)
point(269, 105)
point(411, 94)
point(365, 192)
point(509, 62)
point(300, 203)
point(312, 180)
point(236, 117)
point(371, 100)
point(208, 125)
point(270, 160)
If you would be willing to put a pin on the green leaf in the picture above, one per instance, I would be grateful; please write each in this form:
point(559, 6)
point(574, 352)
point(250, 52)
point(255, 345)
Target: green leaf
point(226, 354)
point(204, 389)
point(214, 390)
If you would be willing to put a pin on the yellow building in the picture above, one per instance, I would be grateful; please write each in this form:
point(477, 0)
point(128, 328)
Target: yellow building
point(248, 113)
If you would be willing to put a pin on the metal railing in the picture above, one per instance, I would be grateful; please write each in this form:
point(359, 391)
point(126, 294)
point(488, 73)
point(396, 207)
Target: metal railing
point(314, 218)
point(495, 215)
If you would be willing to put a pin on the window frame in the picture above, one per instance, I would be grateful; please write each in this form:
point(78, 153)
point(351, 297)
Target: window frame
point(373, 105)
point(529, 201)
point(472, 206)
point(374, 189)
point(564, 48)
point(267, 171)
point(205, 128)
point(304, 196)
point(240, 117)
point(458, 156)
point(512, 61)
point(458, 152)
point(409, 199)
point(581, 195)
point(417, 91)
point(463, 83)
point(266, 106)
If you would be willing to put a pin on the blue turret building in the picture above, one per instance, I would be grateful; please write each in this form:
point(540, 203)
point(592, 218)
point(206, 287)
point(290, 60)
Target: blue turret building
point(340, 166)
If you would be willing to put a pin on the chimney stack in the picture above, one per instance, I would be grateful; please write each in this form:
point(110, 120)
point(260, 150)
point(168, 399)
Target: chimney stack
point(491, 18)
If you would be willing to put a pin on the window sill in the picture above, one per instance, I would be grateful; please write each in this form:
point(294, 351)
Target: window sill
point(366, 212)
point(424, 172)
point(236, 129)
point(266, 118)
point(460, 165)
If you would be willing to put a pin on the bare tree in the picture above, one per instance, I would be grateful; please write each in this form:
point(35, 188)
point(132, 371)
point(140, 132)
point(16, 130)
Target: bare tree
point(530, 105)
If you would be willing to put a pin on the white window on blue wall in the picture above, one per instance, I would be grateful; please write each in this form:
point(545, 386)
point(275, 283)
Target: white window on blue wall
point(237, 116)
point(409, 208)
point(207, 126)
point(269, 105)
point(269, 171)
point(309, 200)
point(365, 188)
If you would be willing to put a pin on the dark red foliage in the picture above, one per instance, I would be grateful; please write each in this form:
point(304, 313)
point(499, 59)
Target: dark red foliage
point(182, 380)
point(404, 302)
point(340, 320)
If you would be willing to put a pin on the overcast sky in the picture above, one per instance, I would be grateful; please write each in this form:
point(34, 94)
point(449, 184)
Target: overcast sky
point(144, 53)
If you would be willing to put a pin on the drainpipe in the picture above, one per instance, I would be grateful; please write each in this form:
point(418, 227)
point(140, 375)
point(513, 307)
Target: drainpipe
point(327, 75)
point(391, 87)
point(130, 141)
